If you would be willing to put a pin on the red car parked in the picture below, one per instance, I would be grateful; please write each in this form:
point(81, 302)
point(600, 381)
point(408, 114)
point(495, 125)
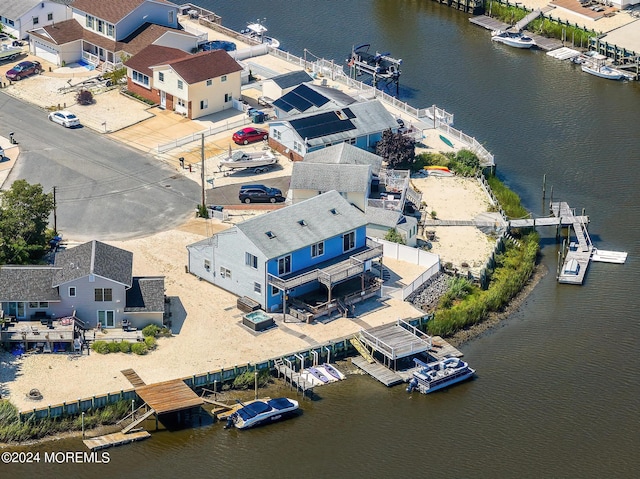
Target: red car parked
point(249, 135)
point(23, 69)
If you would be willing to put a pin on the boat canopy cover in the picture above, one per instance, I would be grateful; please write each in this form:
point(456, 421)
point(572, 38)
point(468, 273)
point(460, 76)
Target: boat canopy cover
point(253, 409)
point(280, 403)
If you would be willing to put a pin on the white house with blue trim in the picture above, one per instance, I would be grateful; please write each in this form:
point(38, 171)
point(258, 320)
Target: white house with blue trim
point(278, 256)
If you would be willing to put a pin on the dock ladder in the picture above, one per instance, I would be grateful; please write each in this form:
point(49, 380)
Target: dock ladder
point(361, 349)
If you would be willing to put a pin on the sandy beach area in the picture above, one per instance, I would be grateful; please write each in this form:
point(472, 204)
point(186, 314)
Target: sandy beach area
point(208, 333)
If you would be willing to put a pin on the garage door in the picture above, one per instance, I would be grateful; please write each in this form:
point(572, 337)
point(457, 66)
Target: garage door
point(46, 52)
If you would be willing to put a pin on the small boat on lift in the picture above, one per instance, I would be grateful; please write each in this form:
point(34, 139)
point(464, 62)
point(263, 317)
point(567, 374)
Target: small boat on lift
point(257, 31)
point(513, 39)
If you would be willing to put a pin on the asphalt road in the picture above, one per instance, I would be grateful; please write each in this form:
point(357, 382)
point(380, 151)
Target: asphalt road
point(104, 190)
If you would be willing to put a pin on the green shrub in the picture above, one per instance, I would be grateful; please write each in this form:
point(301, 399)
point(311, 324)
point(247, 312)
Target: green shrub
point(113, 347)
point(139, 349)
point(150, 330)
point(150, 341)
point(100, 347)
point(247, 380)
point(125, 346)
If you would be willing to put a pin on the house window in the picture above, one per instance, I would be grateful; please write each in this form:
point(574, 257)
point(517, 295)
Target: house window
point(36, 20)
point(225, 273)
point(274, 291)
point(317, 249)
point(72, 291)
point(170, 17)
point(277, 135)
point(103, 294)
point(204, 104)
point(36, 304)
point(349, 241)
point(140, 78)
point(101, 26)
point(49, 17)
point(161, 77)
point(209, 82)
point(227, 97)
point(110, 29)
point(350, 141)
point(89, 22)
point(297, 146)
point(251, 260)
point(207, 265)
point(182, 103)
point(180, 85)
point(284, 265)
point(223, 78)
point(257, 288)
point(107, 319)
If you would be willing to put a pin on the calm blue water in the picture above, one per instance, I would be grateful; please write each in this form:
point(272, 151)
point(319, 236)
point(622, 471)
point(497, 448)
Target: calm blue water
point(557, 393)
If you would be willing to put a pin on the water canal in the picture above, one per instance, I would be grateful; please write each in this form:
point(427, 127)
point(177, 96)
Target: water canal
point(557, 393)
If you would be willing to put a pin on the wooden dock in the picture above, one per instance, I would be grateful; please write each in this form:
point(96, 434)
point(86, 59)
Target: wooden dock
point(296, 379)
point(115, 439)
point(543, 43)
point(169, 396)
point(133, 378)
point(376, 370)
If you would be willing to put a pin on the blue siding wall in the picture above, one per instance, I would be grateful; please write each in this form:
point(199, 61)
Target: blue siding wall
point(301, 259)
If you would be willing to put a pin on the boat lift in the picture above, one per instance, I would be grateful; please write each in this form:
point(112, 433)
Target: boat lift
point(380, 66)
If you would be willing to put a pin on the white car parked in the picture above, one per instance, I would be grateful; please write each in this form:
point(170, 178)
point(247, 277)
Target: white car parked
point(65, 118)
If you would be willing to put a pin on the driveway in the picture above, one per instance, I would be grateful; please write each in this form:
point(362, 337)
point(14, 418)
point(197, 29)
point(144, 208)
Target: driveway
point(104, 190)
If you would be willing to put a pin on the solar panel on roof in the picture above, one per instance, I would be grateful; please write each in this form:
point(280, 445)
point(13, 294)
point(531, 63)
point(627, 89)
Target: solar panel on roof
point(298, 102)
point(320, 125)
point(312, 96)
point(348, 112)
point(282, 105)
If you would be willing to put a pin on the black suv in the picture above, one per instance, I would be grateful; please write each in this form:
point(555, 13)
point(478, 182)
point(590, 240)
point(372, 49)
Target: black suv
point(255, 193)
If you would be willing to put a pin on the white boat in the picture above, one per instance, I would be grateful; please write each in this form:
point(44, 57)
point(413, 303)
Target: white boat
point(602, 71)
point(262, 412)
point(440, 374)
point(257, 31)
point(260, 161)
point(513, 39)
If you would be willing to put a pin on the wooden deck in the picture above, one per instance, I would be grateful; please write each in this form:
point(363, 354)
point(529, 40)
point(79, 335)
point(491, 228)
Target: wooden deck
point(383, 374)
point(169, 396)
point(395, 340)
point(133, 378)
point(115, 439)
point(441, 349)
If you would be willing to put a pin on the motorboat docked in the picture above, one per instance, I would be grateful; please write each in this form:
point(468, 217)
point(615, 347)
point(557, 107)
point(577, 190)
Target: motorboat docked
point(513, 39)
point(262, 412)
point(257, 31)
point(602, 71)
point(257, 160)
point(440, 374)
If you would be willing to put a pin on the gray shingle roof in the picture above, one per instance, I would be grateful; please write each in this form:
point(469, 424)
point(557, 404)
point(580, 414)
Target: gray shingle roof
point(389, 218)
point(326, 177)
point(146, 295)
point(287, 80)
point(289, 235)
point(345, 154)
point(27, 283)
point(13, 9)
point(95, 258)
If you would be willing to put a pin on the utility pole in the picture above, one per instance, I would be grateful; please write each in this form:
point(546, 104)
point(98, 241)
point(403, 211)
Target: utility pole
point(55, 215)
point(202, 173)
